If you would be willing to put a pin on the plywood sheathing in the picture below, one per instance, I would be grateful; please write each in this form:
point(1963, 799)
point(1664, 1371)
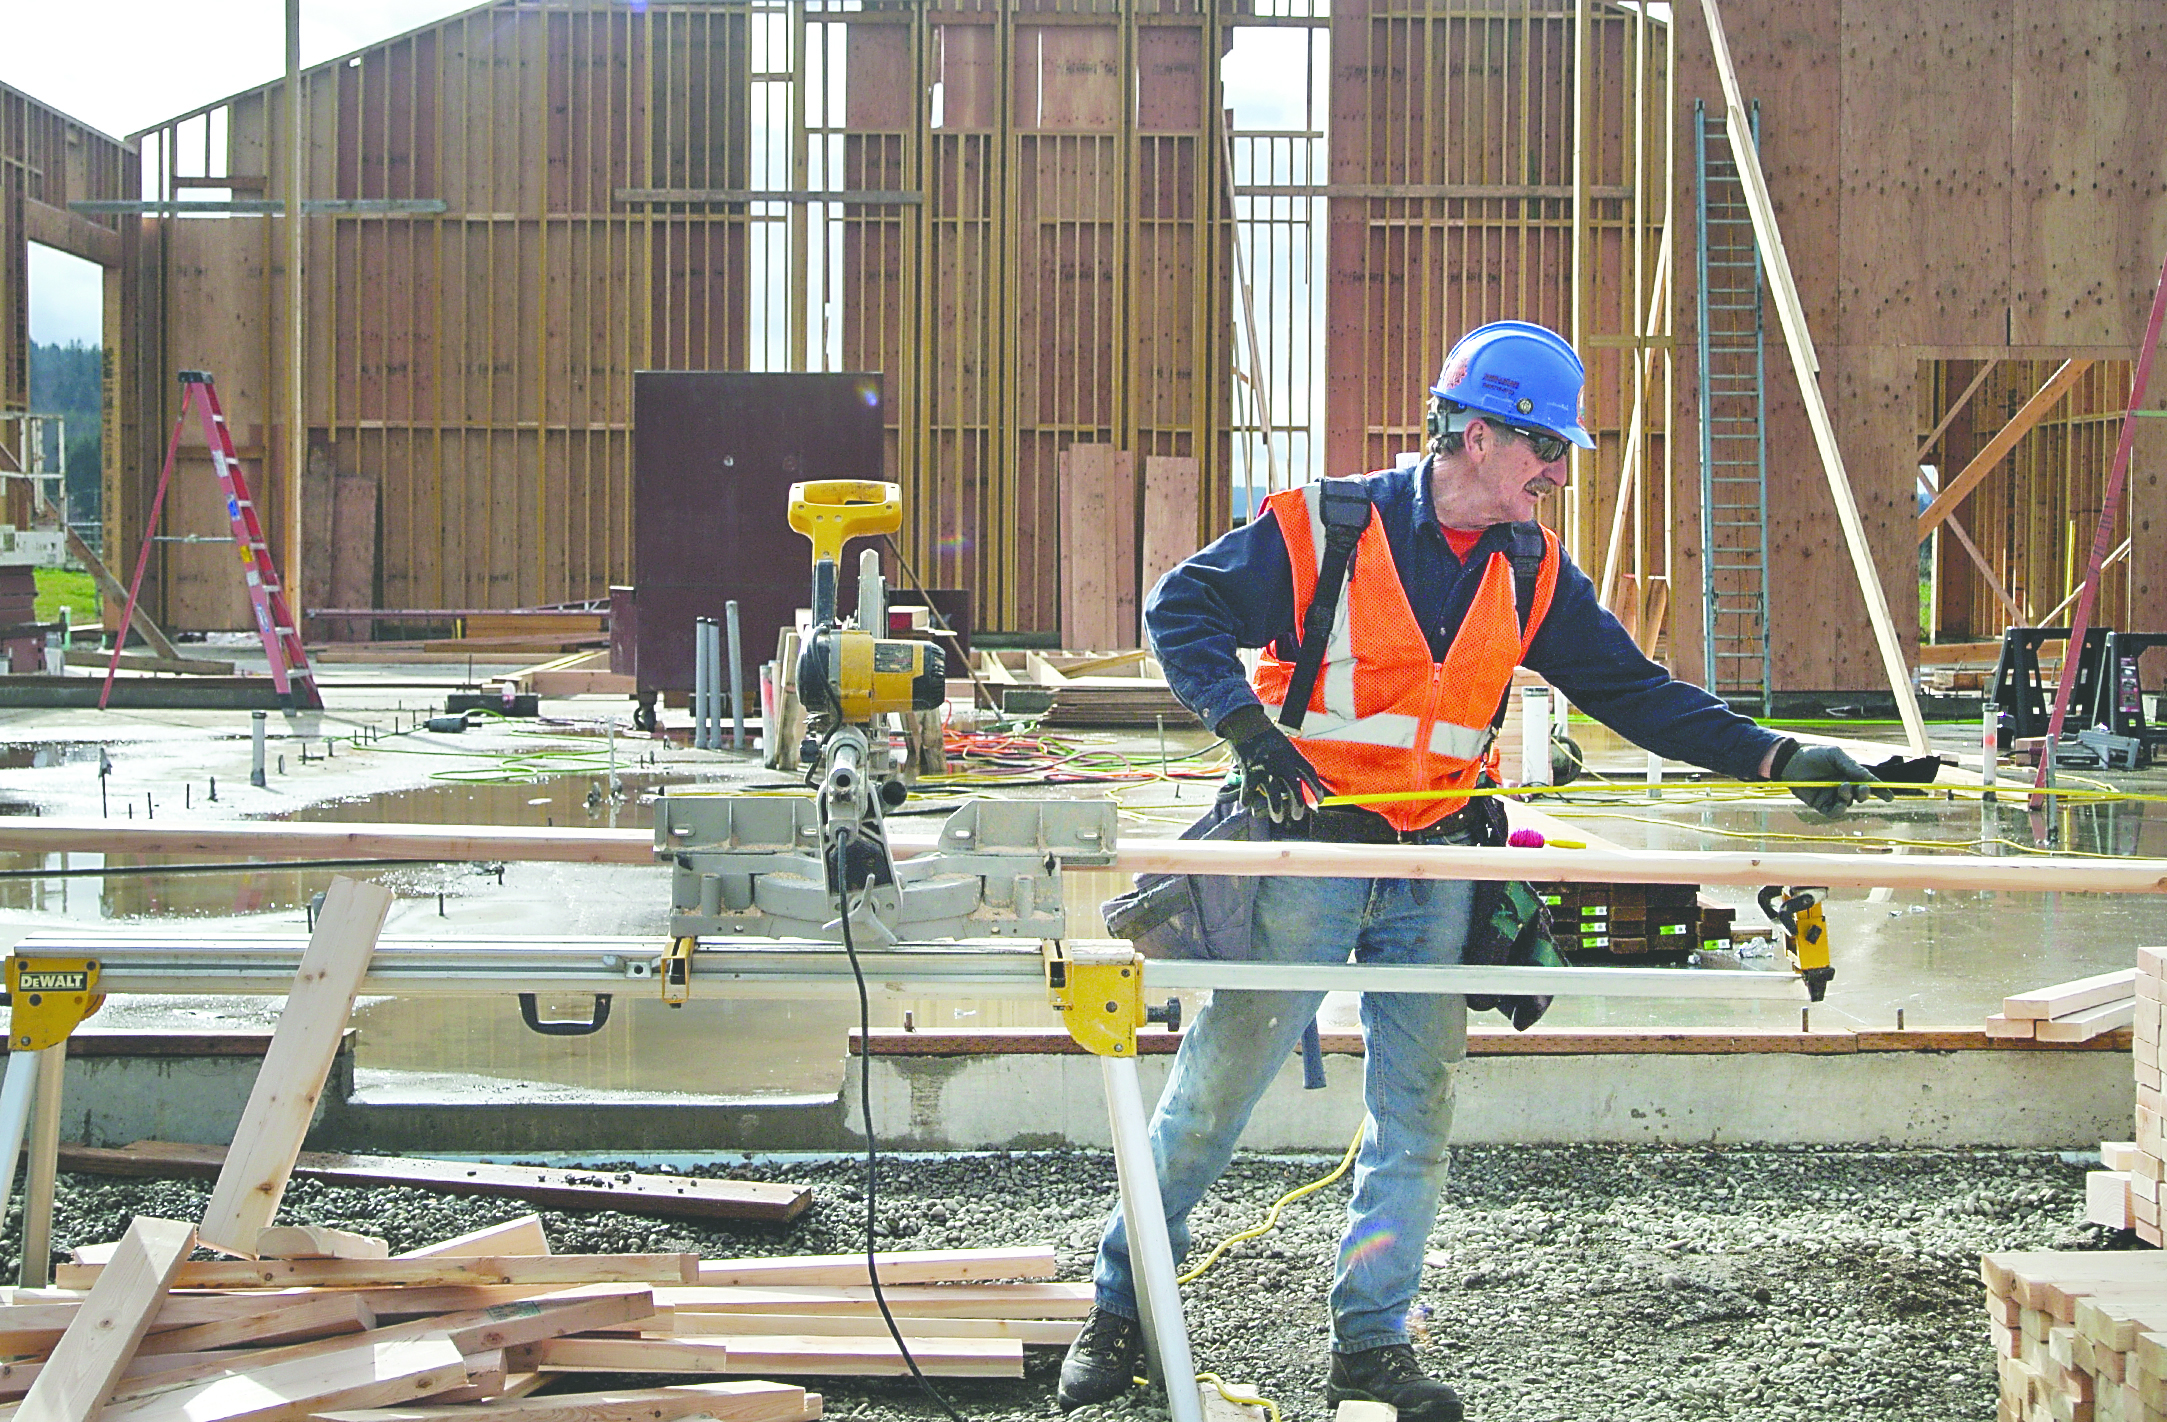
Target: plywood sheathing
point(1980, 187)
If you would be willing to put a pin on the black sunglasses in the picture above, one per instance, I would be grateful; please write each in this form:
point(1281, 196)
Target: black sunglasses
point(1548, 447)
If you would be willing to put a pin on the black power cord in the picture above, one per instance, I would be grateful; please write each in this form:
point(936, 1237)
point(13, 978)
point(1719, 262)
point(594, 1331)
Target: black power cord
point(836, 841)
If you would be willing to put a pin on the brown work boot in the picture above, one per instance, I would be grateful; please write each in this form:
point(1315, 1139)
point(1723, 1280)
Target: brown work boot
point(1390, 1375)
point(1103, 1361)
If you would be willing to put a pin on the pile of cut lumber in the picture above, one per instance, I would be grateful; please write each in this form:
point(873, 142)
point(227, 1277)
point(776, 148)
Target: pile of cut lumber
point(2126, 1193)
point(2069, 1012)
point(325, 1320)
point(2079, 1335)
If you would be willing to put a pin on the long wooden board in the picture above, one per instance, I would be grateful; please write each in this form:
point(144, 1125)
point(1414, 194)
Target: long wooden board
point(35, 1326)
point(1058, 1332)
point(2040, 874)
point(913, 1266)
point(735, 1401)
point(473, 1331)
point(793, 1356)
point(669, 1196)
point(366, 1375)
point(283, 1101)
point(915, 1300)
point(1805, 365)
point(521, 1236)
point(76, 1381)
point(2086, 1023)
point(301, 1317)
point(557, 1269)
point(16, 1378)
point(317, 1242)
point(2065, 998)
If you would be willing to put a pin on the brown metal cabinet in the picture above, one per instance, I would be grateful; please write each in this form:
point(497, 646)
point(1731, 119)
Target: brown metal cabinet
point(714, 454)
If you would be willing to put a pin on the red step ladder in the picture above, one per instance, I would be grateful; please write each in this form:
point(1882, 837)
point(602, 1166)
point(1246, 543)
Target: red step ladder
point(290, 672)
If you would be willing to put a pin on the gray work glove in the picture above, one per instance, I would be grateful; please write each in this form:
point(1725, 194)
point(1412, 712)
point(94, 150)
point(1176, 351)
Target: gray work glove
point(1795, 762)
point(1278, 782)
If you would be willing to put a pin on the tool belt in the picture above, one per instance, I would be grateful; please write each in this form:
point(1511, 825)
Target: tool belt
point(1352, 824)
point(1212, 915)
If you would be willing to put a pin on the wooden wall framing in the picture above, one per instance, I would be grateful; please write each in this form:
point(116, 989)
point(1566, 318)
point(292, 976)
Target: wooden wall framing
point(1957, 180)
point(1020, 212)
point(2033, 516)
point(48, 160)
point(1063, 279)
point(1492, 161)
point(623, 189)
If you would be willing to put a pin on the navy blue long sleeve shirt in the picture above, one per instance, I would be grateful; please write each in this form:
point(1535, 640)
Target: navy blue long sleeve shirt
point(1239, 592)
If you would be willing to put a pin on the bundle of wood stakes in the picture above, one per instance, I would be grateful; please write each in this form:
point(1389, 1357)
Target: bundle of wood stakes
point(2082, 1336)
point(332, 1328)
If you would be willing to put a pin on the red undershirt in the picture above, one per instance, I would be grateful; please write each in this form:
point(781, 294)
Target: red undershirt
point(1461, 541)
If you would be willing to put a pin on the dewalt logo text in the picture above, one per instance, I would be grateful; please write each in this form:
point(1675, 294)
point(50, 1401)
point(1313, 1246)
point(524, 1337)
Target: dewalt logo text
point(76, 981)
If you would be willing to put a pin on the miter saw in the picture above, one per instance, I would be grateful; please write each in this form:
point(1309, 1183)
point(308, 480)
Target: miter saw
point(770, 866)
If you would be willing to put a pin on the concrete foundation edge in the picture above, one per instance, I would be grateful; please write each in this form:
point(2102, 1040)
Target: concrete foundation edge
point(2059, 1101)
point(2045, 1100)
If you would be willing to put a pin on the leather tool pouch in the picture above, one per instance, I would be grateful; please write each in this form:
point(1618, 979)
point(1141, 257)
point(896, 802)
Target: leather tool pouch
point(1193, 915)
point(1508, 926)
point(1205, 915)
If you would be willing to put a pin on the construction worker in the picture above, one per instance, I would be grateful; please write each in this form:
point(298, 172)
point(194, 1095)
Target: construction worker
point(1449, 586)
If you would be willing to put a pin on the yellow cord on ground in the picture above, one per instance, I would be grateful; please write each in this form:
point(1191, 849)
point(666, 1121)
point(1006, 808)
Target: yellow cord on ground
point(1271, 1408)
point(1271, 1217)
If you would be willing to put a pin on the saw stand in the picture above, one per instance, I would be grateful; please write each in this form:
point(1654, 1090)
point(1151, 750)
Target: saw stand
point(754, 869)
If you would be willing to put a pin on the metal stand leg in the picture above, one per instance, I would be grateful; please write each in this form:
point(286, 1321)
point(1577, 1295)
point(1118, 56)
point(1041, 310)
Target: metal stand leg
point(1158, 1297)
point(15, 1093)
point(43, 1172)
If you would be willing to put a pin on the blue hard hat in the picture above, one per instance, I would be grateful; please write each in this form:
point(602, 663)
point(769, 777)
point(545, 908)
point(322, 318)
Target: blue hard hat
point(1523, 373)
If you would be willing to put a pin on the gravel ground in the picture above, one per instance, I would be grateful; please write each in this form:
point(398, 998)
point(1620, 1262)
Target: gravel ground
point(1581, 1284)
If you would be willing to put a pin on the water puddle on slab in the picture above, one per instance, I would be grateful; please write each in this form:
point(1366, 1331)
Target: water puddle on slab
point(43, 755)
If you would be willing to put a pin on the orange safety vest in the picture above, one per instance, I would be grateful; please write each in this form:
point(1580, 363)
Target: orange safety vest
point(1384, 717)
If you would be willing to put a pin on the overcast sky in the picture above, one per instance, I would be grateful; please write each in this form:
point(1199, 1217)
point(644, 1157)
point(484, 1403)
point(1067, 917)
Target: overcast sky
point(121, 65)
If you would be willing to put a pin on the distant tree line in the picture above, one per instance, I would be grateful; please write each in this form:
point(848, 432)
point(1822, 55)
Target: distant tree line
point(67, 380)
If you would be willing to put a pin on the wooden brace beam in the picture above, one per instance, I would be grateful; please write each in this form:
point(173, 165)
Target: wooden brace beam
point(1956, 490)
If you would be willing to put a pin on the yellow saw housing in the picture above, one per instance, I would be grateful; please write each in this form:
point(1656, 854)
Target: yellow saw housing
point(857, 672)
point(870, 675)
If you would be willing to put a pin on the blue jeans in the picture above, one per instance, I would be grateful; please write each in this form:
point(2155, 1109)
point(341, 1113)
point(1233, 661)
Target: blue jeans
point(1241, 1039)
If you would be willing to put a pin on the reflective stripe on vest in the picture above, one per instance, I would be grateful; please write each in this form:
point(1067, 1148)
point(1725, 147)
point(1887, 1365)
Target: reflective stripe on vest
point(1384, 717)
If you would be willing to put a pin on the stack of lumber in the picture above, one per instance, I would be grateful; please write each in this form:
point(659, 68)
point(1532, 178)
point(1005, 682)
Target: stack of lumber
point(575, 674)
point(1084, 690)
point(323, 1320)
point(2069, 1012)
point(1117, 701)
point(2126, 1192)
point(2079, 1336)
